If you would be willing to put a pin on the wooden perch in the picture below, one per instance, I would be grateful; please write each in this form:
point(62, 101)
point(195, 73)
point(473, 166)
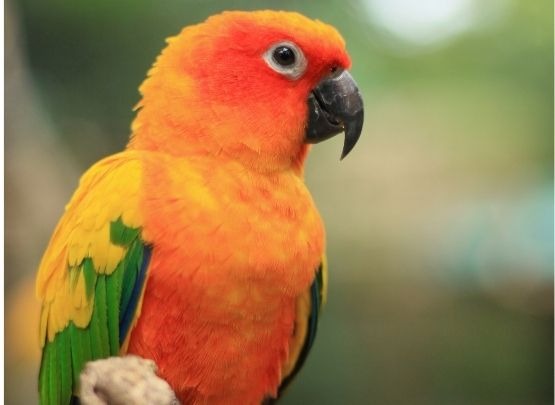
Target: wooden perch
point(124, 380)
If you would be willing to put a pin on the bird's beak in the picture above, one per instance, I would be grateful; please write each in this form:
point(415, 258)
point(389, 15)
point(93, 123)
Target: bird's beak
point(335, 106)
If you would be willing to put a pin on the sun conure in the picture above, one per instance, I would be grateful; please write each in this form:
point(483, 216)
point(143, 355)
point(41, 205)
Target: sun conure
point(199, 246)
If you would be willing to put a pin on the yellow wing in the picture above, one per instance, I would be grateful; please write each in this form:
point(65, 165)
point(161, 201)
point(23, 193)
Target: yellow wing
point(99, 235)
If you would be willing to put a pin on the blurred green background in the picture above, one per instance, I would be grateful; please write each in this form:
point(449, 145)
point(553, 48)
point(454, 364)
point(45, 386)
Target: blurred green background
point(440, 223)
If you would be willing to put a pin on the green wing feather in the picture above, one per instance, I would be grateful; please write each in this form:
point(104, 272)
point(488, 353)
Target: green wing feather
point(116, 297)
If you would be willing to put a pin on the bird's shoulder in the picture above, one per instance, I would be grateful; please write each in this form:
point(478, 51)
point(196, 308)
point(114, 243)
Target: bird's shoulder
point(107, 192)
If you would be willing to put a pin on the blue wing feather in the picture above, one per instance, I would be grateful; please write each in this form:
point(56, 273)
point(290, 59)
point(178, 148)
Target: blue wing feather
point(128, 313)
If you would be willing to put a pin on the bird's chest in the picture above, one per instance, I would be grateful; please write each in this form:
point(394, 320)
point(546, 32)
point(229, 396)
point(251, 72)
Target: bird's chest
point(231, 254)
point(234, 225)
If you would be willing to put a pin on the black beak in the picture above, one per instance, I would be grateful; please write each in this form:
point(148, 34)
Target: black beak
point(334, 106)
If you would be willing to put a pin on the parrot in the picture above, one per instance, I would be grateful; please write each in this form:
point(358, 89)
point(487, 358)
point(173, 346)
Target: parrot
point(200, 246)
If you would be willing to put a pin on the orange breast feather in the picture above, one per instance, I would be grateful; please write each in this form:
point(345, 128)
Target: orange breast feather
point(233, 251)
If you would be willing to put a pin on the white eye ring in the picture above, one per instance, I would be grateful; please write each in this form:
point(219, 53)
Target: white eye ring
point(292, 71)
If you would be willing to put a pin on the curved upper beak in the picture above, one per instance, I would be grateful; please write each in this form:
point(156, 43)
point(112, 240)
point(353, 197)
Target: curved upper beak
point(335, 106)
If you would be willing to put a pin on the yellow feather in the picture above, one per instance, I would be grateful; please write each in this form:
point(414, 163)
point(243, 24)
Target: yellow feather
point(43, 323)
point(108, 190)
point(82, 316)
point(78, 293)
point(298, 337)
point(324, 279)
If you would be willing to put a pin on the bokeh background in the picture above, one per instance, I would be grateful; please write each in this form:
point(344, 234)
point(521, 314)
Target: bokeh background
point(440, 223)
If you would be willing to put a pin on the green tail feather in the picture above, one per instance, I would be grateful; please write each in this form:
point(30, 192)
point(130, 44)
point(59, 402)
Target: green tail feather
point(44, 374)
point(64, 353)
point(113, 298)
point(132, 264)
point(53, 381)
point(90, 277)
point(100, 316)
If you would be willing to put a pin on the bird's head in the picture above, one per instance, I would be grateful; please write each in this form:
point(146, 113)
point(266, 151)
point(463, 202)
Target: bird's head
point(256, 87)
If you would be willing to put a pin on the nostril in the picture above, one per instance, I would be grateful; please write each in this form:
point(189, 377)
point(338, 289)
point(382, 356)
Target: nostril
point(335, 70)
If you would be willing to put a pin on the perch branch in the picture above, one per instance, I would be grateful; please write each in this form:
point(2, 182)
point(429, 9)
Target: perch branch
point(124, 380)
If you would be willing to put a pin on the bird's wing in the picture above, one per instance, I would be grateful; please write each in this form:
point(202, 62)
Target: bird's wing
point(308, 310)
point(92, 276)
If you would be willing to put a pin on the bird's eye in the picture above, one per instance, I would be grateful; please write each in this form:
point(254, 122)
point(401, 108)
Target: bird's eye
point(286, 58)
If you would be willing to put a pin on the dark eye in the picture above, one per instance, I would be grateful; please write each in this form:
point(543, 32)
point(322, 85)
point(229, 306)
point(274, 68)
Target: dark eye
point(287, 59)
point(284, 56)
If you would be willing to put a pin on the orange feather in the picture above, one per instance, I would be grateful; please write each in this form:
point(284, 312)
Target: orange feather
point(232, 253)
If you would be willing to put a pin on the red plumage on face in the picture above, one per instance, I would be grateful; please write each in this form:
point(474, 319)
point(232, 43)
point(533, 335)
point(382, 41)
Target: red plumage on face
point(233, 56)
